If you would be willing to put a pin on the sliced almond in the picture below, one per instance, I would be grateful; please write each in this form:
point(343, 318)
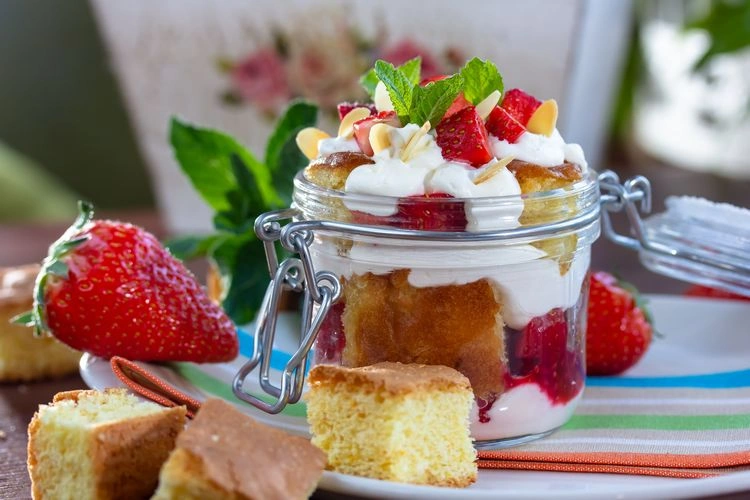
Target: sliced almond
point(544, 119)
point(307, 141)
point(380, 137)
point(486, 105)
point(382, 99)
point(491, 171)
point(346, 128)
point(411, 145)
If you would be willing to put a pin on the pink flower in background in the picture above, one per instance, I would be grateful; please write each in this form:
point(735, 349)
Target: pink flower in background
point(261, 79)
point(408, 49)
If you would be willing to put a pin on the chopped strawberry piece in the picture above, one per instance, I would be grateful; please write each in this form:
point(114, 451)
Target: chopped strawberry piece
point(503, 126)
point(463, 137)
point(362, 128)
point(331, 339)
point(423, 212)
point(540, 354)
point(345, 107)
point(520, 105)
point(459, 102)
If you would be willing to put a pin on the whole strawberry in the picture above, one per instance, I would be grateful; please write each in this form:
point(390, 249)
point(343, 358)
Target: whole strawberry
point(110, 288)
point(618, 330)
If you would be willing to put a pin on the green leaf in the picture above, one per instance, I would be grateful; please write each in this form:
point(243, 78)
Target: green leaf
point(58, 268)
point(244, 201)
point(400, 88)
point(283, 157)
point(369, 81)
point(192, 247)
point(481, 78)
point(242, 265)
point(412, 69)
point(728, 24)
point(432, 101)
point(205, 157)
point(24, 319)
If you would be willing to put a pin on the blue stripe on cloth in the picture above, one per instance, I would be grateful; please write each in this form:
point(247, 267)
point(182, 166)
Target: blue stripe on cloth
point(726, 380)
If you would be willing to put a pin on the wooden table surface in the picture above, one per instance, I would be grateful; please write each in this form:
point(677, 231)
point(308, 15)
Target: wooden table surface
point(24, 244)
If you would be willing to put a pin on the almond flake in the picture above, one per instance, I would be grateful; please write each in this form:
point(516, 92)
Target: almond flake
point(346, 128)
point(494, 169)
point(380, 137)
point(411, 146)
point(544, 119)
point(486, 105)
point(307, 141)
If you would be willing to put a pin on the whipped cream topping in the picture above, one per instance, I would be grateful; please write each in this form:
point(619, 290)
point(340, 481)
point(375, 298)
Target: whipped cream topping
point(527, 279)
point(336, 145)
point(540, 149)
point(426, 172)
point(524, 409)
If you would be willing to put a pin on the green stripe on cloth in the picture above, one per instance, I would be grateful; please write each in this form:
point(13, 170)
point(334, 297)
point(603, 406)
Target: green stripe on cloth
point(659, 422)
point(216, 387)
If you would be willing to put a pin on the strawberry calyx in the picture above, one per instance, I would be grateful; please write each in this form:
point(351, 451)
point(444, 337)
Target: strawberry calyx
point(54, 266)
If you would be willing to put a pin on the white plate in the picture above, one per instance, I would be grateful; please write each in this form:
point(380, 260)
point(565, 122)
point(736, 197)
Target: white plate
point(700, 336)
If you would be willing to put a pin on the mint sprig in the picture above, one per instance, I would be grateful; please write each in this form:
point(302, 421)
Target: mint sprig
point(481, 78)
point(429, 103)
point(399, 87)
point(238, 187)
point(416, 104)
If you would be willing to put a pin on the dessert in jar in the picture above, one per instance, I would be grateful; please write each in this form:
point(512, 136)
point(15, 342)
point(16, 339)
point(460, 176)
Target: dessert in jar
point(449, 158)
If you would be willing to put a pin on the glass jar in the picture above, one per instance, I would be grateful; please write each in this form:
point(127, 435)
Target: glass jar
point(493, 287)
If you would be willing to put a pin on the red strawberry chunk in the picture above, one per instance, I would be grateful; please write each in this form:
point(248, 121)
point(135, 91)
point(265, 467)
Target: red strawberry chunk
point(463, 137)
point(520, 105)
point(713, 293)
point(503, 126)
point(540, 354)
point(331, 340)
point(345, 107)
point(423, 212)
point(362, 128)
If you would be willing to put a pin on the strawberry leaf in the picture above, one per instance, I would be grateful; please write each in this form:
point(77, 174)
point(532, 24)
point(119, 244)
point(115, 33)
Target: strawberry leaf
point(481, 78)
point(399, 87)
point(432, 101)
point(192, 246)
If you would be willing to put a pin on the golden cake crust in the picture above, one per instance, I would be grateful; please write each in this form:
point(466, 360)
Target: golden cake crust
point(535, 178)
point(331, 171)
point(243, 458)
point(459, 326)
point(23, 356)
point(394, 378)
point(126, 455)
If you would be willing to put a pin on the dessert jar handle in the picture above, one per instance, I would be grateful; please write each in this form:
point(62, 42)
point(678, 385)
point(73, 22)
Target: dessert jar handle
point(297, 274)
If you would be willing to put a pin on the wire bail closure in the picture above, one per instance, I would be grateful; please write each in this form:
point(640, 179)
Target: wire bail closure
point(322, 289)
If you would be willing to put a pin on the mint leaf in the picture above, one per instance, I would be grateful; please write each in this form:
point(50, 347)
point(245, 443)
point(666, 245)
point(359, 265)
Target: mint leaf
point(481, 78)
point(369, 81)
point(205, 157)
point(430, 102)
point(192, 246)
point(241, 263)
point(244, 201)
point(399, 87)
point(283, 157)
point(412, 69)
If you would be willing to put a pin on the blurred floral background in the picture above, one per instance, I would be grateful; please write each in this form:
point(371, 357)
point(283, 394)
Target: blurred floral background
point(679, 111)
